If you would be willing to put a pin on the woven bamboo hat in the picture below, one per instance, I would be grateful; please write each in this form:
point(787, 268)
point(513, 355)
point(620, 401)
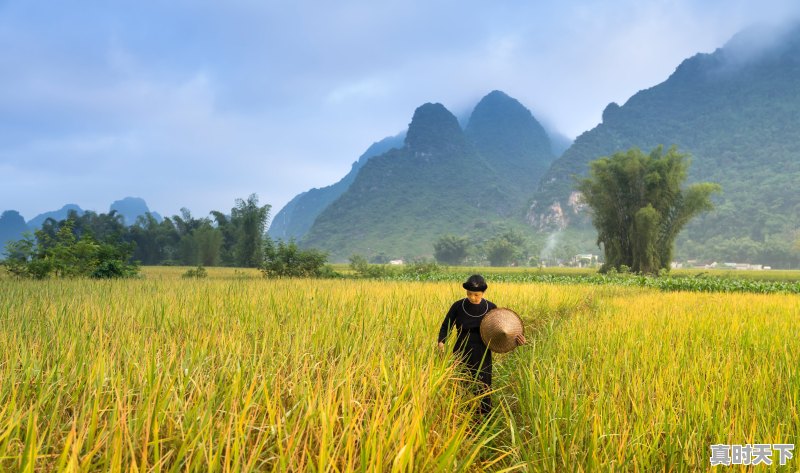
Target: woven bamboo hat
point(499, 329)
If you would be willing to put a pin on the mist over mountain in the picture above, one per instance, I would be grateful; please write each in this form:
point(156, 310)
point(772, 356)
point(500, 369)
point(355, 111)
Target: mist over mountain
point(295, 218)
point(443, 180)
point(559, 142)
point(737, 112)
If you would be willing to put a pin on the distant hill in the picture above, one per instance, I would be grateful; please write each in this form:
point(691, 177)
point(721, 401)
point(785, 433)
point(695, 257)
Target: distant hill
point(737, 111)
point(295, 218)
point(131, 208)
point(36, 222)
point(512, 143)
point(12, 226)
point(443, 180)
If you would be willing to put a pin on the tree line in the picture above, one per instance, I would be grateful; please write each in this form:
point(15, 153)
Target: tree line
point(506, 248)
point(100, 245)
point(234, 239)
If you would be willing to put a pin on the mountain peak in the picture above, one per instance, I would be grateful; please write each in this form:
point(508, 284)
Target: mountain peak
point(499, 98)
point(498, 110)
point(60, 214)
point(131, 208)
point(11, 215)
point(501, 125)
point(434, 129)
point(12, 227)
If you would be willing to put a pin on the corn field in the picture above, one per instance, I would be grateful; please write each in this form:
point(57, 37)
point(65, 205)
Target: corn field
point(239, 373)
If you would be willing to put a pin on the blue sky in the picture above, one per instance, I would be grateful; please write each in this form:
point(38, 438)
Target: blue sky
point(195, 103)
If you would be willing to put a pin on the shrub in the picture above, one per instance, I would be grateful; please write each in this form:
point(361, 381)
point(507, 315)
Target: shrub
point(288, 260)
point(422, 269)
point(66, 256)
point(197, 273)
point(363, 269)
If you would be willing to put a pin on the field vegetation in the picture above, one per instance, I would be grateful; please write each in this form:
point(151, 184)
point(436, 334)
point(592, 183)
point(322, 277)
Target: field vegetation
point(236, 372)
point(763, 282)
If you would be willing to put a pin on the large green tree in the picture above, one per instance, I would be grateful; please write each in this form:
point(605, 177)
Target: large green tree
point(186, 226)
point(250, 221)
point(156, 243)
point(229, 237)
point(638, 205)
point(283, 259)
point(450, 249)
point(209, 244)
point(506, 248)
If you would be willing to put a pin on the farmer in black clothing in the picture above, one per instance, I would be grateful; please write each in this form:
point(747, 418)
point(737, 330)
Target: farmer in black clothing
point(466, 314)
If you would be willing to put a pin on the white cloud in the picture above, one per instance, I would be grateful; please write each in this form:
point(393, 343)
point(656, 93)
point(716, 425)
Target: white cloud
point(364, 89)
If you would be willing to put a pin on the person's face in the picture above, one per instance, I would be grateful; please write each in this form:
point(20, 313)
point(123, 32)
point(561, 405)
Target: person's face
point(475, 297)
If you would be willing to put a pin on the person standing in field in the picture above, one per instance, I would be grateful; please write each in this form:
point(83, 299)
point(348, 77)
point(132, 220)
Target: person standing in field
point(466, 315)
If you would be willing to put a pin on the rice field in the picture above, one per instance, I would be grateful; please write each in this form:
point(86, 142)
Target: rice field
point(239, 373)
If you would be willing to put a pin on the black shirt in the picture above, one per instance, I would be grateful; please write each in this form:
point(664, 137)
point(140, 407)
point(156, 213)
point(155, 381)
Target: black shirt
point(466, 317)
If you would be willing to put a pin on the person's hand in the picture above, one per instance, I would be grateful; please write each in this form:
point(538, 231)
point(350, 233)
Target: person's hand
point(441, 346)
point(521, 340)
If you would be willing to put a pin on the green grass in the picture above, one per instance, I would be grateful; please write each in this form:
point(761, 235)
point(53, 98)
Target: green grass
point(759, 275)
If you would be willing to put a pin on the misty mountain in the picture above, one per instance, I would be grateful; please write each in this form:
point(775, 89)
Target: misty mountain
point(512, 143)
point(131, 208)
point(559, 142)
point(443, 180)
point(12, 226)
point(737, 112)
point(36, 222)
point(295, 218)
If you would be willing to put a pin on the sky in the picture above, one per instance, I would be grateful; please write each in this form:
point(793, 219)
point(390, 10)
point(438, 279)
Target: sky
point(197, 103)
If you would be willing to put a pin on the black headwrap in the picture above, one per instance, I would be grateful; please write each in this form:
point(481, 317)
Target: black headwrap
point(475, 283)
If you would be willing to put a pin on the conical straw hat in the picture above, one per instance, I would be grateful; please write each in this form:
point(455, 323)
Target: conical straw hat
point(499, 329)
